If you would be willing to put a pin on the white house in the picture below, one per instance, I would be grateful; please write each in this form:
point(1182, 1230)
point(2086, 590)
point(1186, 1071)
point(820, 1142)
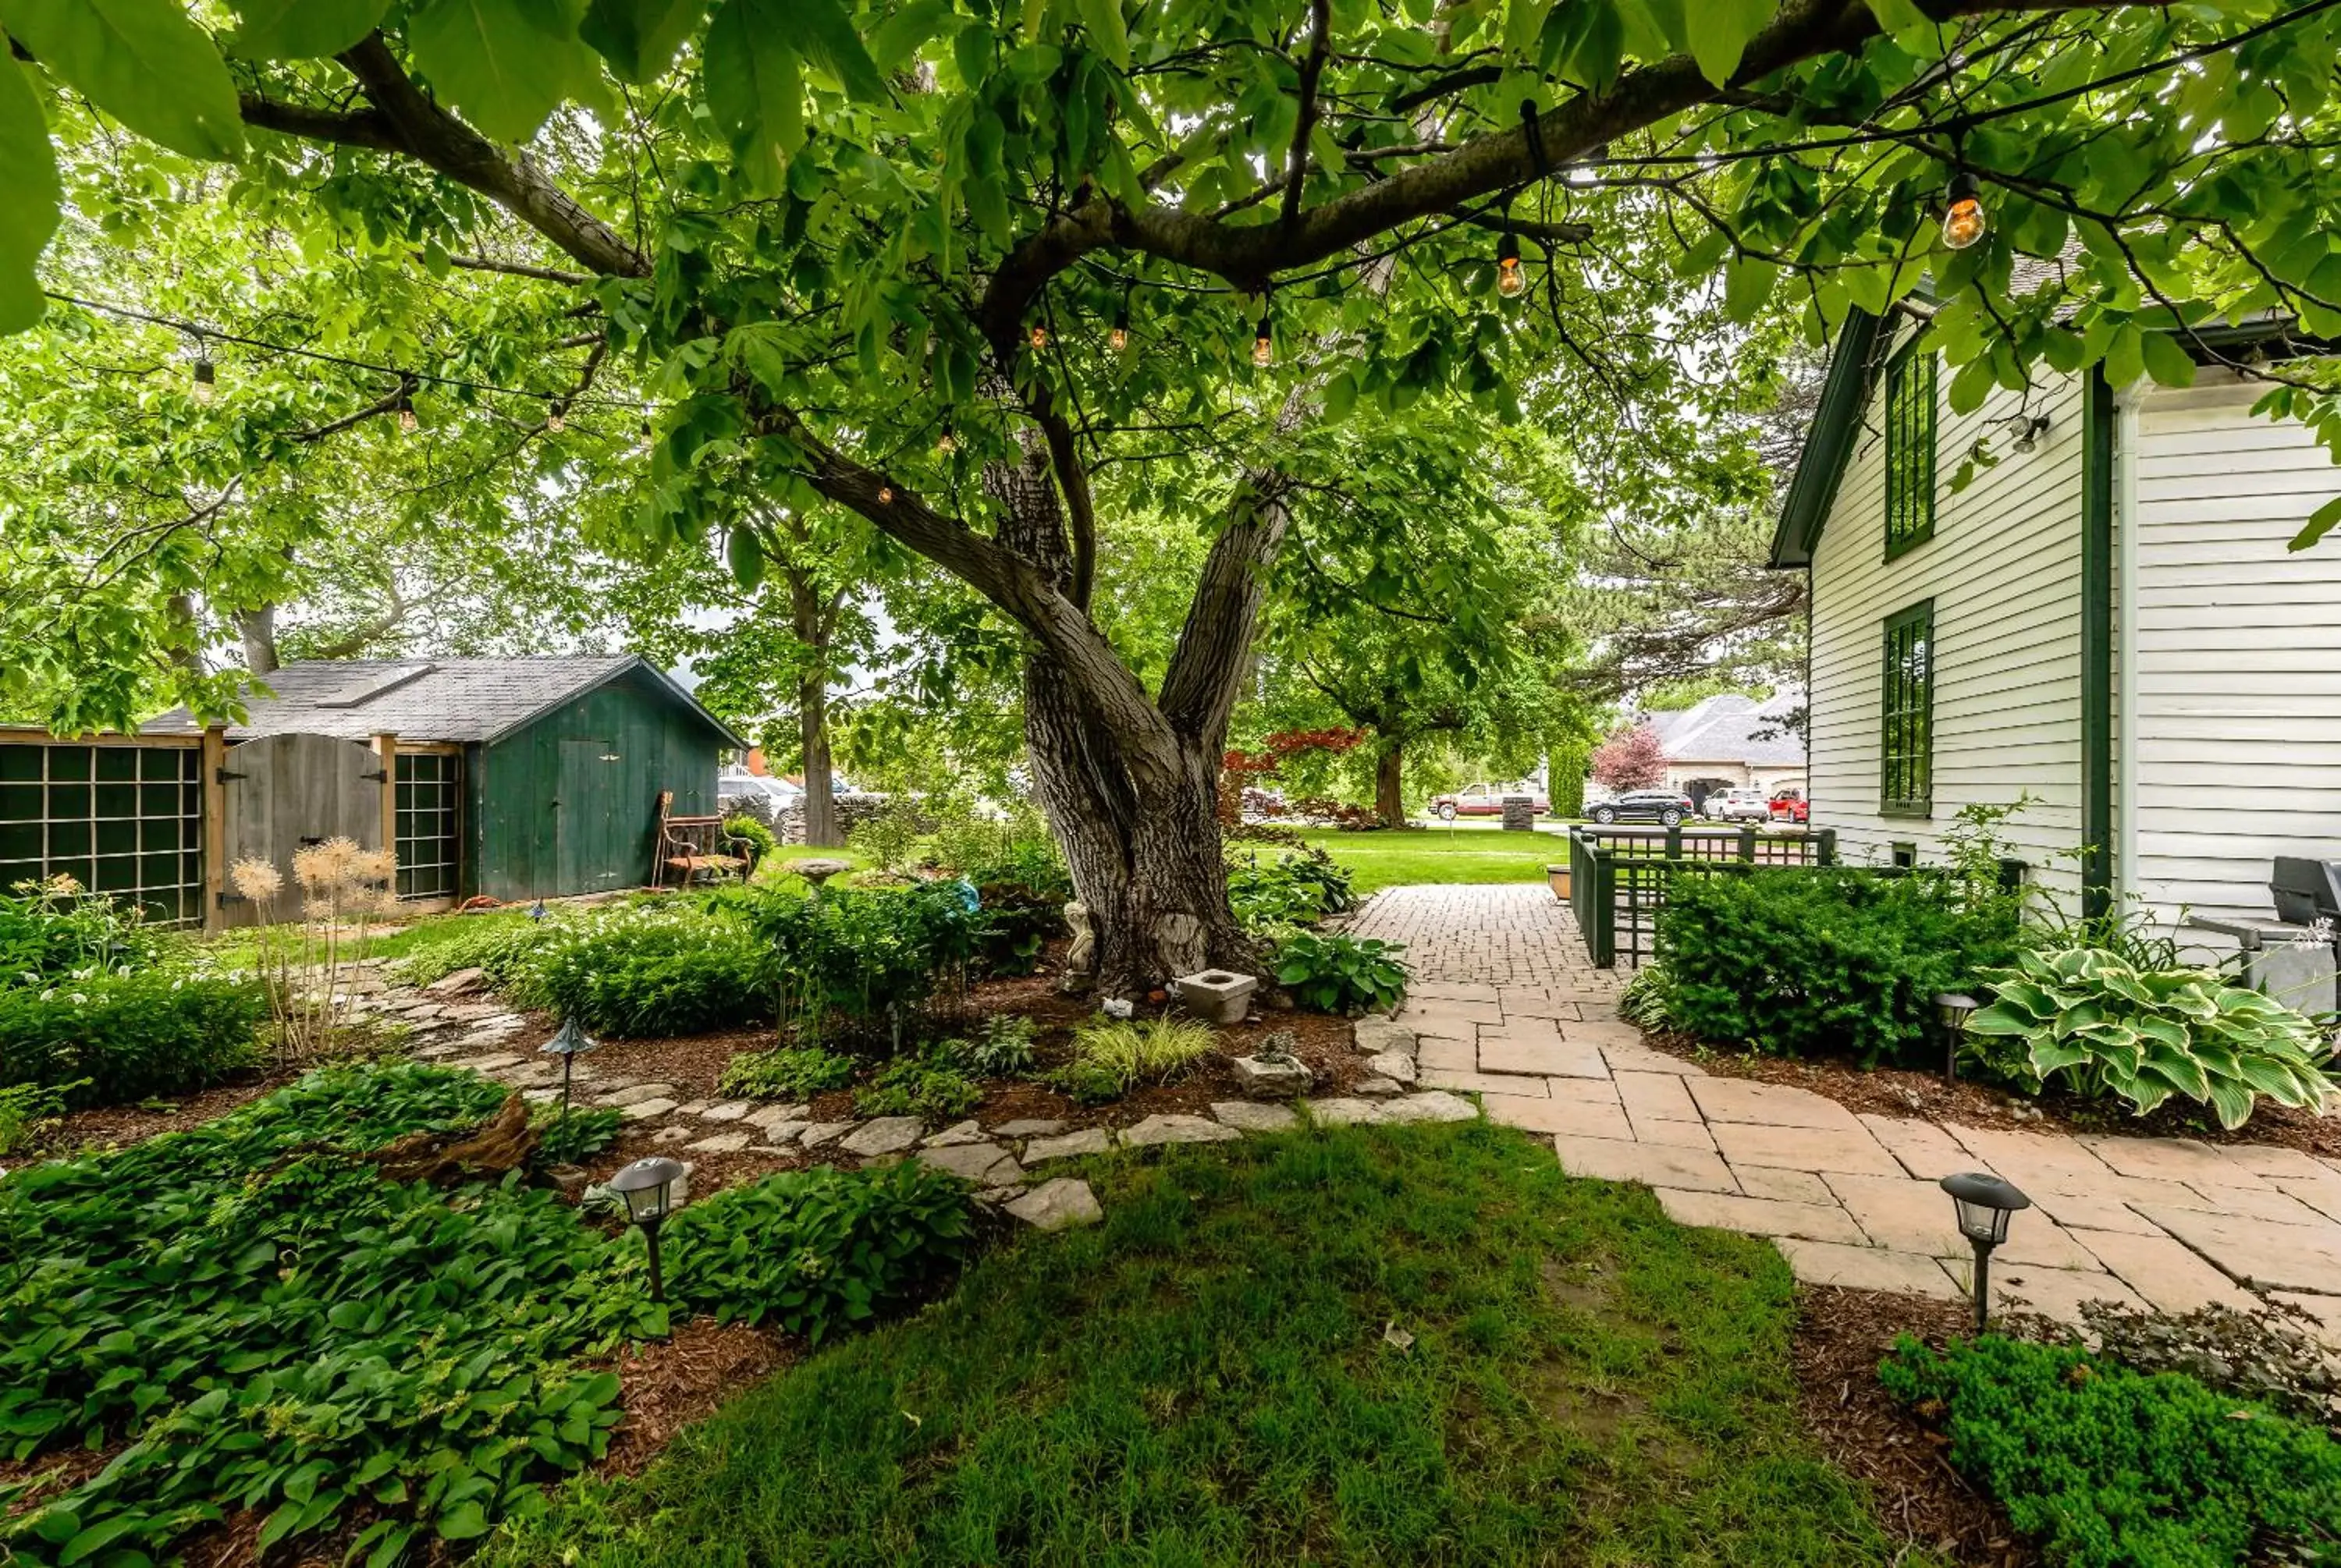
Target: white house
point(2106, 619)
point(1730, 742)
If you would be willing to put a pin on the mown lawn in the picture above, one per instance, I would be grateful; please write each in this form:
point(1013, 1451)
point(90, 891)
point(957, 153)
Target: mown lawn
point(1466, 853)
point(1203, 1379)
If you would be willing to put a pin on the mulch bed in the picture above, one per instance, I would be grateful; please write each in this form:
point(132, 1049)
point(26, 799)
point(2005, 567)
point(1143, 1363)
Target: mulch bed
point(1899, 1092)
point(1841, 1336)
point(666, 1384)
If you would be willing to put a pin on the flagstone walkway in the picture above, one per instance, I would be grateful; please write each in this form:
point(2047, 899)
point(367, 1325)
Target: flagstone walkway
point(1505, 1005)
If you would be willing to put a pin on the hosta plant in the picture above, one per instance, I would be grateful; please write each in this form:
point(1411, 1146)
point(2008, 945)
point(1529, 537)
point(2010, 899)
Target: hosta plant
point(1341, 974)
point(2084, 1017)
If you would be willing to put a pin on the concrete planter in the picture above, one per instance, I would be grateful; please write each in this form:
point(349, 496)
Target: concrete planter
point(1216, 996)
point(1558, 877)
point(1263, 1079)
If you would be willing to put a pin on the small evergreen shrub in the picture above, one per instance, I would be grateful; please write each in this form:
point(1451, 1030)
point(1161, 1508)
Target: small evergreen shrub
point(785, 1074)
point(1341, 973)
point(930, 1085)
point(763, 843)
point(812, 1251)
point(1797, 962)
point(2113, 1468)
point(106, 1038)
point(1112, 1057)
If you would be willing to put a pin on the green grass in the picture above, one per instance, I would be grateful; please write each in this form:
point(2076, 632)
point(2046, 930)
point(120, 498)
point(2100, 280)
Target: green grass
point(1204, 1380)
point(1475, 852)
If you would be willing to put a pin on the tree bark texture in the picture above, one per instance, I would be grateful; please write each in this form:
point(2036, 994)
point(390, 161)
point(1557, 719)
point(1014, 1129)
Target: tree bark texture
point(1389, 776)
point(258, 629)
point(812, 617)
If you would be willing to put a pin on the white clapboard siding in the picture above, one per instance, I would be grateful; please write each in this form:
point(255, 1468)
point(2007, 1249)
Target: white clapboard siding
point(2004, 571)
point(2238, 649)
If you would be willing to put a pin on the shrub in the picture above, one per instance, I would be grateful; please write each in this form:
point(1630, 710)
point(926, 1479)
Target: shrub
point(116, 1038)
point(785, 1074)
point(50, 930)
point(860, 964)
point(1001, 1048)
point(497, 945)
point(2084, 1017)
point(1802, 962)
point(27, 1113)
point(890, 835)
point(1013, 926)
point(2113, 1467)
point(1112, 1057)
point(1341, 973)
point(1646, 999)
point(763, 843)
point(1292, 887)
point(930, 1085)
point(567, 1138)
point(810, 1251)
point(637, 970)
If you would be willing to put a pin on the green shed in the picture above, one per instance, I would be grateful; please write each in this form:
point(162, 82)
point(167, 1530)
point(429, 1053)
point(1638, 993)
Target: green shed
point(509, 779)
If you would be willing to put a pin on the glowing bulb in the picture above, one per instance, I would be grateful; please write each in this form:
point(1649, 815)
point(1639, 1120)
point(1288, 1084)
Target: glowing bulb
point(1964, 220)
point(556, 419)
point(407, 423)
point(1263, 344)
point(947, 441)
point(1510, 281)
point(1040, 336)
point(204, 383)
point(885, 494)
point(1118, 339)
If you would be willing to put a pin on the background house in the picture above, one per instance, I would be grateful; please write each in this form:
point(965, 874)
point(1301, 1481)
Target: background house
point(2107, 619)
point(1732, 741)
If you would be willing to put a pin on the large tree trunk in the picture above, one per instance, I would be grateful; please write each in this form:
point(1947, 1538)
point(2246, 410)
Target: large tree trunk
point(258, 629)
point(811, 621)
point(1390, 776)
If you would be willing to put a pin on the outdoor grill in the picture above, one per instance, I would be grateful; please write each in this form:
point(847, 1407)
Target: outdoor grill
point(2306, 891)
point(2296, 956)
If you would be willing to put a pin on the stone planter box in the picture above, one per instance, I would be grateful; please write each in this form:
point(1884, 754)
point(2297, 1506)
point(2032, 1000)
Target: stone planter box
point(1267, 1080)
point(1216, 996)
point(1558, 877)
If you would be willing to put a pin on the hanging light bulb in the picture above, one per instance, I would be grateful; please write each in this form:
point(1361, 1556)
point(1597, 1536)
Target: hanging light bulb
point(204, 383)
point(1263, 341)
point(1040, 336)
point(407, 422)
point(885, 495)
point(1119, 337)
point(947, 441)
point(1964, 220)
point(1510, 281)
point(556, 418)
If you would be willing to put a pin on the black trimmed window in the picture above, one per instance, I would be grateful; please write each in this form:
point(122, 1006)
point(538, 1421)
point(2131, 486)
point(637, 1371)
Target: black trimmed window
point(1909, 451)
point(1906, 750)
point(123, 820)
point(427, 843)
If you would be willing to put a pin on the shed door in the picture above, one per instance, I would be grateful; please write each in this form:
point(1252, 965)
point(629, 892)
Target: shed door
point(590, 858)
point(286, 792)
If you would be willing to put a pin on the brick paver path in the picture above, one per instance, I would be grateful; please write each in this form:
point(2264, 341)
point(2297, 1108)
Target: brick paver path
point(1505, 1005)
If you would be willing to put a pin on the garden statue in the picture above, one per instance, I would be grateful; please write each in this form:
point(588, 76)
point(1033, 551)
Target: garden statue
point(1082, 957)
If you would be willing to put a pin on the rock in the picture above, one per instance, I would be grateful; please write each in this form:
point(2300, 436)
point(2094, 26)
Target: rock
point(1247, 1118)
point(644, 1110)
point(1057, 1205)
point(998, 1195)
point(729, 1111)
point(416, 1012)
point(693, 1107)
point(431, 1053)
point(1118, 1008)
point(635, 1093)
point(1175, 1130)
point(816, 1134)
point(1343, 1113)
point(1087, 1141)
point(460, 983)
point(784, 1132)
point(541, 1096)
point(1378, 1086)
point(985, 1165)
point(568, 1179)
point(769, 1116)
point(883, 1135)
point(670, 1134)
point(1433, 1106)
point(1376, 1035)
point(1029, 1127)
point(721, 1142)
point(958, 1133)
point(1263, 1079)
point(1397, 1065)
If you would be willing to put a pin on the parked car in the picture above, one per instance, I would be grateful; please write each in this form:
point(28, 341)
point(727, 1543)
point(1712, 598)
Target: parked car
point(1790, 806)
point(1488, 800)
point(1739, 805)
point(1667, 808)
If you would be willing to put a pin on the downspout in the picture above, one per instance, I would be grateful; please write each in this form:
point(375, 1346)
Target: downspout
point(2125, 520)
point(2097, 452)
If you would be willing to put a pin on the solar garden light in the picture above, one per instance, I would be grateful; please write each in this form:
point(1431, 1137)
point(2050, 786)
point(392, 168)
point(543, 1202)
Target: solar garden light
point(1952, 1010)
point(1984, 1203)
point(570, 1044)
point(647, 1186)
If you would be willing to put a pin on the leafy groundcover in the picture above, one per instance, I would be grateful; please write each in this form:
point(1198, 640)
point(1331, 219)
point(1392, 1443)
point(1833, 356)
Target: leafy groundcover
point(263, 1326)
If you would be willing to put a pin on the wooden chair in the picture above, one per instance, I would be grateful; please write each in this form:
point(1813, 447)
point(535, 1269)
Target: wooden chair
point(691, 845)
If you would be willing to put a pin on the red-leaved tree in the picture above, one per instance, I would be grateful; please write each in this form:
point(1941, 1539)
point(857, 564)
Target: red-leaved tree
point(1631, 759)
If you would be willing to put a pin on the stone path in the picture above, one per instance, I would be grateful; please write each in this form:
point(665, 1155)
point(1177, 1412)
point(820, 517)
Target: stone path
point(1850, 1199)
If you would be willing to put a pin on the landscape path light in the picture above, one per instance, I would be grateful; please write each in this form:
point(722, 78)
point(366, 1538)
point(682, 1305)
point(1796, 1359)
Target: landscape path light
point(1952, 1010)
point(647, 1187)
point(569, 1044)
point(1984, 1203)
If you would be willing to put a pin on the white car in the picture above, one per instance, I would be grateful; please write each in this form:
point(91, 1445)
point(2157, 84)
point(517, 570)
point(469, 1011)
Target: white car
point(1740, 806)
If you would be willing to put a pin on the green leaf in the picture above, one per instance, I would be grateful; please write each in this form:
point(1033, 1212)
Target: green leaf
point(465, 1521)
point(302, 29)
point(2321, 521)
point(1745, 286)
point(746, 554)
point(1103, 20)
point(1720, 36)
point(506, 64)
point(639, 37)
point(97, 1538)
point(143, 62)
point(2165, 361)
point(753, 87)
point(824, 31)
point(29, 195)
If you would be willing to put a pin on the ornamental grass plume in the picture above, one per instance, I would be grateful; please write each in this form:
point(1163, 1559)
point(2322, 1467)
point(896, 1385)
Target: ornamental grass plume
point(343, 889)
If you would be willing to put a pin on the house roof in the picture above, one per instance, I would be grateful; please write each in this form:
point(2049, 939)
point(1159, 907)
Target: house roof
point(1732, 728)
point(457, 700)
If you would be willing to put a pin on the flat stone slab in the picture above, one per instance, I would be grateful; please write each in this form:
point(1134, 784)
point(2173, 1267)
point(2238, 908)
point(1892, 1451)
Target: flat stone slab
point(1251, 1116)
point(1346, 1111)
point(1087, 1141)
point(1582, 1118)
point(1642, 1059)
point(1679, 1135)
point(1653, 1165)
point(1454, 990)
point(1600, 1029)
point(644, 1110)
point(1175, 1130)
point(1795, 1187)
point(883, 1135)
point(2037, 1162)
point(1029, 1127)
point(1375, 1035)
point(816, 1134)
point(1654, 1096)
point(632, 1093)
point(1760, 1217)
point(2164, 1272)
point(727, 1111)
point(1057, 1205)
point(1549, 1056)
point(1377, 1085)
point(780, 1133)
point(1479, 1083)
point(2261, 1253)
point(2170, 1160)
point(1804, 1148)
point(694, 1108)
point(773, 1116)
point(1770, 1105)
point(966, 1132)
point(1438, 1053)
point(1867, 1269)
point(1922, 1148)
point(490, 1064)
point(985, 1165)
point(1432, 1105)
point(1910, 1216)
point(721, 1142)
point(2053, 1292)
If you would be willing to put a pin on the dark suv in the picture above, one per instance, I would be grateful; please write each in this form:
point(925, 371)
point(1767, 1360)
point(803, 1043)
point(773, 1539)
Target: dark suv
point(1664, 806)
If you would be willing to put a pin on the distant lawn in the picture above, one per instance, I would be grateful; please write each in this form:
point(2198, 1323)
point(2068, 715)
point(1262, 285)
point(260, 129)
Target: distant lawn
point(1204, 1380)
point(1470, 852)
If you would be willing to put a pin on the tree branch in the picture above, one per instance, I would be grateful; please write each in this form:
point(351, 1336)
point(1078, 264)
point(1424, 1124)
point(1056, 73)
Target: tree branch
point(365, 128)
point(1312, 71)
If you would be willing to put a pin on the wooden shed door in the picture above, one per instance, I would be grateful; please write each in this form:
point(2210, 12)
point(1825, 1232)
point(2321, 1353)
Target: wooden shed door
point(590, 858)
point(284, 792)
